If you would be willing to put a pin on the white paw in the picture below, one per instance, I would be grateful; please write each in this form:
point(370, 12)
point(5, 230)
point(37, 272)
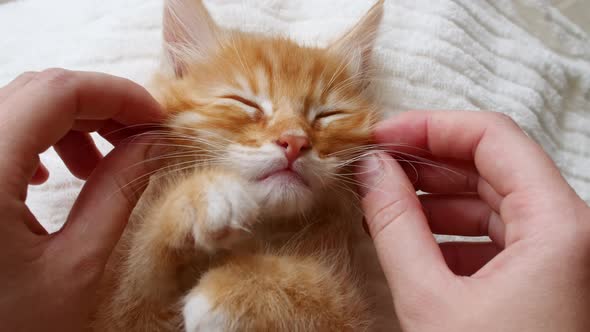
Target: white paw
point(231, 211)
point(200, 316)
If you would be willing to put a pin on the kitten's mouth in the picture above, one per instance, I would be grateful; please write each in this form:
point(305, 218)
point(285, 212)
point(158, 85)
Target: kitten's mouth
point(283, 175)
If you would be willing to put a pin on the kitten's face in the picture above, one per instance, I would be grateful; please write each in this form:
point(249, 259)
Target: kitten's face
point(285, 117)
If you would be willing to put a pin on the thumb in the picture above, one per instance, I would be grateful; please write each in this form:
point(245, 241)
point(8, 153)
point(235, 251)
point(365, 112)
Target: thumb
point(101, 211)
point(405, 245)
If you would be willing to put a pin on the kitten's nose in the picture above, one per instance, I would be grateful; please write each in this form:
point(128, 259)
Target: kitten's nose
point(293, 145)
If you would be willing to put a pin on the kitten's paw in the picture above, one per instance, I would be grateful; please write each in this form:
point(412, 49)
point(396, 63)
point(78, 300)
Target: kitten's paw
point(229, 214)
point(199, 315)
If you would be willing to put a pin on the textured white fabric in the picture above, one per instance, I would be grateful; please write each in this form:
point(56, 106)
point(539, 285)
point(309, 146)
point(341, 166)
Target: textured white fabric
point(522, 58)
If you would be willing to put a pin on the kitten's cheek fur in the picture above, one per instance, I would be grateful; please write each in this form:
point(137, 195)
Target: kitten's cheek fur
point(313, 171)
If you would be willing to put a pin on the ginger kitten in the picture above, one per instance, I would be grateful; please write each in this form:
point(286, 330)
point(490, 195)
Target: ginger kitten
point(253, 223)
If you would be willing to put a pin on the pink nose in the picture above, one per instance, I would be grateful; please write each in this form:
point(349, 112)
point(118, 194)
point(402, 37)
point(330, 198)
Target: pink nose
point(293, 145)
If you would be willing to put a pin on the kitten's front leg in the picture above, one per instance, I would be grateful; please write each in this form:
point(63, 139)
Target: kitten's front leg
point(222, 213)
point(210, 210)
point(199, 215)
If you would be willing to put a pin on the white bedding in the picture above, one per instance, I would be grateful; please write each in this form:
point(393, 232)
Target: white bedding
point(522, 58)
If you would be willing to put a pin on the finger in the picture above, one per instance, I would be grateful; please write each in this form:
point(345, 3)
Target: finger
point(466, 258)
point(502, 153)
point(397, 224)
point(441, 176)
point(48, 106)
point(89, 125)
point(78, 152)
point(103, 207)
point(16, 84)
point(489, 195)
point(21, 229)
point(113, 131)
point(464, 215)
point(40, 176)
point(116, 133)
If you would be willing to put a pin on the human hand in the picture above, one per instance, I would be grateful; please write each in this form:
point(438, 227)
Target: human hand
point(48, 282)
point(533, 276)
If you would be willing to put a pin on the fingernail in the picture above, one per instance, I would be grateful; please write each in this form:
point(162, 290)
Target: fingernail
point(370, 173)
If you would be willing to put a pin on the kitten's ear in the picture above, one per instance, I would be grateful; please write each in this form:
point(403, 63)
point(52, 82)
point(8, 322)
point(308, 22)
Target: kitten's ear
point(356, 45)
point(189, 33)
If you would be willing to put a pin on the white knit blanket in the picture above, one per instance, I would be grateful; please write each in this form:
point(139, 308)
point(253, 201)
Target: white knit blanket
point(522, 58)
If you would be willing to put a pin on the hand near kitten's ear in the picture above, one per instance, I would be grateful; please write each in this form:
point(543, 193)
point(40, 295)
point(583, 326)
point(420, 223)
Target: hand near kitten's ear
point(533, 276)
point(49, 281)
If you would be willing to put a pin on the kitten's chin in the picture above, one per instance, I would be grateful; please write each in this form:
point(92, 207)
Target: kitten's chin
point(285, 195)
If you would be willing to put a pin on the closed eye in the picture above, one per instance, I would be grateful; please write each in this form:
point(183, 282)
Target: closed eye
point(328, 114)
point(244, 101)
point(325, 118)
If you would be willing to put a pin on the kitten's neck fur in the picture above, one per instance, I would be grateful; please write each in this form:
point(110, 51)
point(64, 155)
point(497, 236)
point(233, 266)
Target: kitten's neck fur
point(337, 210)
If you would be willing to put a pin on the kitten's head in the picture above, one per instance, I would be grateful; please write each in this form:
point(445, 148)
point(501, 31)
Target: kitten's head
point(288, 118)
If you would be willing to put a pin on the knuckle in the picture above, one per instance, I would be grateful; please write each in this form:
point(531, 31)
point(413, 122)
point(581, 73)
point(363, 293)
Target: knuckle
point(471, 181)
point(391, 212)
point(27, 75)
point(55, 77)
point(88, 269)
point(534, 204)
